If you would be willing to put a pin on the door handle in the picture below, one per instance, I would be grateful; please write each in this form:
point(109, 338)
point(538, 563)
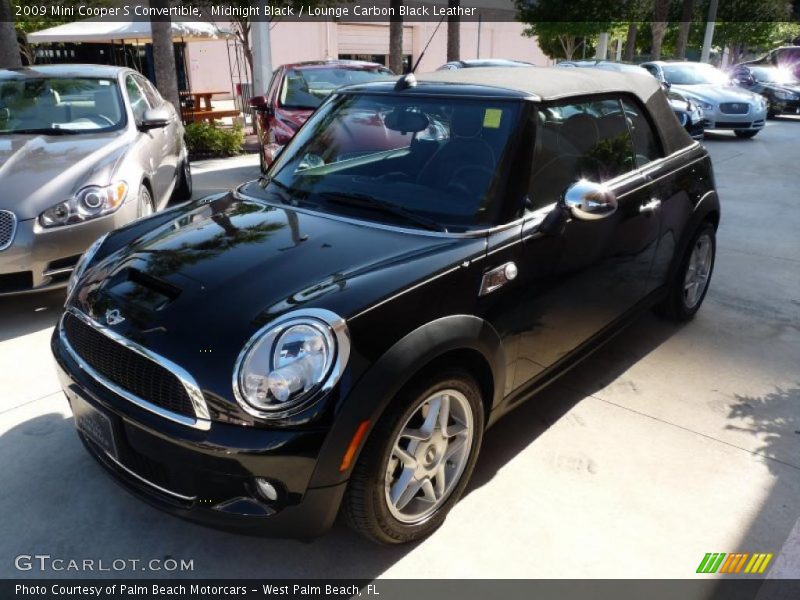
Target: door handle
point(651, 206)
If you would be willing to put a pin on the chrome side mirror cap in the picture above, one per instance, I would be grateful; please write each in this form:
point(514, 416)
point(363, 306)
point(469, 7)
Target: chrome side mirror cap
point(590, 201)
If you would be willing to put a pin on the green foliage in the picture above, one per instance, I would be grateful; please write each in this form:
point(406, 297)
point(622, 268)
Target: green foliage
point(208, 139)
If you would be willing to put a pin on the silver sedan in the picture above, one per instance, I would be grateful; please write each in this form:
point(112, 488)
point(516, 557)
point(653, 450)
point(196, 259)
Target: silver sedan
point(84, 149)
point(724, 106)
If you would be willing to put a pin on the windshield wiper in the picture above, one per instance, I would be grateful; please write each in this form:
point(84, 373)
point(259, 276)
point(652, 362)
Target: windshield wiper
point(370, 202)
point(44, 131)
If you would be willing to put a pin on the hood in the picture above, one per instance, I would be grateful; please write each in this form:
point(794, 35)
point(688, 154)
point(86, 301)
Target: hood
point(295, 117)
point(780, 87)
point(215, 272)
point(39, 171)
point(715, 94)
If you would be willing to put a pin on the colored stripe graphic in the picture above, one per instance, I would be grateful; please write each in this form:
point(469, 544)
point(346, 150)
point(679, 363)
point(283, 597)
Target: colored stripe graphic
point(734, 563)
point(713, 562)
point(710, 563)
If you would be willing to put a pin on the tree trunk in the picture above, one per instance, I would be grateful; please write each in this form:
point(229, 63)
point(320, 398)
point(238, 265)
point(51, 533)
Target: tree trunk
point(9, 47)
point(164, 56)
point(396, 38)
point(453, 33)
point(659, 27)
point(683, 31)
point(630, 42)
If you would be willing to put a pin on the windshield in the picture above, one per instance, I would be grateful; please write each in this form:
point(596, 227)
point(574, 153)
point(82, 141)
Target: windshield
point(694, 74)
point(774, 75)
point(307, 88)
point(59, 105)
point(437, 159)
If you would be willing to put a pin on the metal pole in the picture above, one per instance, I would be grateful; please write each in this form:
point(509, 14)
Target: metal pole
point(602, 46)
point(709, 37)
point(480, 22)
point(262, 56)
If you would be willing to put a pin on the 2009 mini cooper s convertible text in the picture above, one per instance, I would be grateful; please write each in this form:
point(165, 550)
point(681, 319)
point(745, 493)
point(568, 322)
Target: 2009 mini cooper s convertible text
point(421, 257)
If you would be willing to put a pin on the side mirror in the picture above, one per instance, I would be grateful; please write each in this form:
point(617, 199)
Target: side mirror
point(259, 103)
point(590, 201)
point(155, 118)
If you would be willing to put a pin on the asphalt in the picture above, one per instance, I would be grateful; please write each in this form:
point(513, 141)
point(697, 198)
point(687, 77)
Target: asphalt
point(669, 443)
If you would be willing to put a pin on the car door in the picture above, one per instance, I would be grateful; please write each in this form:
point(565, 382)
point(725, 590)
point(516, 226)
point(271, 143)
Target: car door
point(151, 142)
point(578, 276)
point(171, 138)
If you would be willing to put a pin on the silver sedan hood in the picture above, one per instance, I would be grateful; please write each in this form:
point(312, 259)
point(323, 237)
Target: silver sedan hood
point(39, 171)
point(715, 94)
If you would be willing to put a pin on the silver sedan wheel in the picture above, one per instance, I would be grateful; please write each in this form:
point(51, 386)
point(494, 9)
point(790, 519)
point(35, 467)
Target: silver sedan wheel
point(698, 271)
point(429, 456)
point(145, 205)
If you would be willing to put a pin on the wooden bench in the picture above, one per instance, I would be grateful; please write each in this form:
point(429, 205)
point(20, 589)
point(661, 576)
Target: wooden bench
point(191, 116)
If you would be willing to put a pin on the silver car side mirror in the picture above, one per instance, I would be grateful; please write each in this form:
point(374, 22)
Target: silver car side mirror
point(590, 201)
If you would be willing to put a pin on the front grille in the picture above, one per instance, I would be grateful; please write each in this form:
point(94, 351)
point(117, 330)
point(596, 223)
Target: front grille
point(731, 125)
point(8, 227)
point(126, 368)
point(734, 108)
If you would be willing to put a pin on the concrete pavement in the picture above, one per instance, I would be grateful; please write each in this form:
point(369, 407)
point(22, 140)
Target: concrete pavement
point(670, 442)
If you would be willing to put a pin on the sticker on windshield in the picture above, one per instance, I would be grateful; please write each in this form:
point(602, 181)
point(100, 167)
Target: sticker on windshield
point(491, 118)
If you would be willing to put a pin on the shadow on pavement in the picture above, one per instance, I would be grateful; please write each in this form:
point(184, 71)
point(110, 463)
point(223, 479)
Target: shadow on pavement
point(28, 313)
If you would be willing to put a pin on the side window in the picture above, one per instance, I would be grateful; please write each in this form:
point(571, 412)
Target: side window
point(272, 87)
point(150, 92)
point(653, 70)
point(136, 97)
point(646, 146)
point(586, 140)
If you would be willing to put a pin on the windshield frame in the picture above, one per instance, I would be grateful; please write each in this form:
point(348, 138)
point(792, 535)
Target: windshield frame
point(514, 173)
point(378, 71)
point(115, 83)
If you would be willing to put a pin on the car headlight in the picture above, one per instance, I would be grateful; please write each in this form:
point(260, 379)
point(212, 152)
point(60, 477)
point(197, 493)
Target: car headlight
point(783, 95)
point(83, 262)
point(89, 203)
point(704, 105)
point(291, 362)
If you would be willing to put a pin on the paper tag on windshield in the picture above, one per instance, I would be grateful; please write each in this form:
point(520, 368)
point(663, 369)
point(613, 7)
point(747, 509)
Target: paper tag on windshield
point(491, 118)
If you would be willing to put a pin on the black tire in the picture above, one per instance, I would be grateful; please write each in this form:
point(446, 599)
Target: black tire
point(262, 165)
point(365, 505)
point(675, 305)
point(746, 133)
point(145, 205)
point(183, 189)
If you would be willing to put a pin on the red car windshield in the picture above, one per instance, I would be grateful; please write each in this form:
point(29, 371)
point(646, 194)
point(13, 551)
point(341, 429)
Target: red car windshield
point(307, 88)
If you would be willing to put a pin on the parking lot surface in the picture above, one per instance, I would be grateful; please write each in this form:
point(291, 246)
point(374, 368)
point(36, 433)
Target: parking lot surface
point(668, 443)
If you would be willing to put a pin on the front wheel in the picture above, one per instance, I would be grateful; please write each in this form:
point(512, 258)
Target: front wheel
point(689, 285)
point(746, 133)
point(183, 189)
point(418, 460)
point(144, 206)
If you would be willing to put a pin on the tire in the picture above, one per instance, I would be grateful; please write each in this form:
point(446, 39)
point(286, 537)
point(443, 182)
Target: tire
point(445, 461)
point(261, 163)
point(681, 303)
point(144, 205)
point(746, 133)
point(183, 189)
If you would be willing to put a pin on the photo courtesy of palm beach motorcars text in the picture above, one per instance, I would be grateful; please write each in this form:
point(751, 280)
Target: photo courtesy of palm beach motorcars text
point(321, 299)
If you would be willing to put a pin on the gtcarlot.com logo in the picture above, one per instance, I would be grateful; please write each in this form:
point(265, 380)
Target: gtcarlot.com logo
point(46, 562)
point(735, 562)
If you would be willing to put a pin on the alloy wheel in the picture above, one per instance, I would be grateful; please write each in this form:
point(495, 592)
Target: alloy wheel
point(698, 271)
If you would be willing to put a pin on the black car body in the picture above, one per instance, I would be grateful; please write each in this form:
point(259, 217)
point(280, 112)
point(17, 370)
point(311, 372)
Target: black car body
point(778, 85)
point(292, 328)
point(784, 57)
point(689, 115)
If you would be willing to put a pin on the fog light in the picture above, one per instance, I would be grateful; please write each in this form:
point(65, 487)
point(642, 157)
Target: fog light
point(266, 489)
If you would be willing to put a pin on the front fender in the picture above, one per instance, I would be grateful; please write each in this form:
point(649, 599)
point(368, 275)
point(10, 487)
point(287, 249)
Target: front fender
point(370, 397)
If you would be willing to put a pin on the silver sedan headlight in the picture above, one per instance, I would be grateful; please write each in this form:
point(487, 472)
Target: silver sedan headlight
point(83, 262)
point(89, 203)
point(290, 363)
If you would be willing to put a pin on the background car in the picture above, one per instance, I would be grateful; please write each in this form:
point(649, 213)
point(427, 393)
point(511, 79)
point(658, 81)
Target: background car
point(84, 149)
point(483, 62)
point(778, 85)
point(785, 57)
point(295, 91)
point(724, 105)
point(689, 115)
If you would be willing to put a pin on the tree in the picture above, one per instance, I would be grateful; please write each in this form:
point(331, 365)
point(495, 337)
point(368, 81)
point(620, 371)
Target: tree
point(683, 32)
point(164, 55)
point(9, 48)
point(750, 25)
point(396, 38)
point(630, 42)
point(453, 32)
point(659, 26)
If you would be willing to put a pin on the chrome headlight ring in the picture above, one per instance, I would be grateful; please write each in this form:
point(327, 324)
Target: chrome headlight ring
point(306, 349)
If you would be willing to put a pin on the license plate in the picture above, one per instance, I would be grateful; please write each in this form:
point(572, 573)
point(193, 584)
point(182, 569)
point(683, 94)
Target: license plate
point(94, 424)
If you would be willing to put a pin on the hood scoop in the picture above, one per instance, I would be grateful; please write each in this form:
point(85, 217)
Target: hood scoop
point(134, 287)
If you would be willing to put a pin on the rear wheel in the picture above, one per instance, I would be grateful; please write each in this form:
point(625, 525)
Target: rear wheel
point(144, 205)
point(418, 460)
point(183, 189)
point(746, 133)
point(689, 285)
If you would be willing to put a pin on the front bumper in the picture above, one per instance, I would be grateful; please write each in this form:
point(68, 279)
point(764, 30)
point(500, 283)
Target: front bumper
point(41, 259)
point(790, 107)
point(208, 476)
point(753, 119)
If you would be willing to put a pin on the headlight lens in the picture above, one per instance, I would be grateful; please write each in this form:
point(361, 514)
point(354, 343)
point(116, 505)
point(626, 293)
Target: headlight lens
point(285, 364)
point(704, 105)
point(83, 262)
point(89, 203)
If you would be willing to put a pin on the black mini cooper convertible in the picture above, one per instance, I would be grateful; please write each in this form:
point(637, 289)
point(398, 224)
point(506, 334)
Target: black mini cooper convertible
point(420, 258)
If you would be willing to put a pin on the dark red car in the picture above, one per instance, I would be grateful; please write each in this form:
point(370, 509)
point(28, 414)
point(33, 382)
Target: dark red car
point(296, 90)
